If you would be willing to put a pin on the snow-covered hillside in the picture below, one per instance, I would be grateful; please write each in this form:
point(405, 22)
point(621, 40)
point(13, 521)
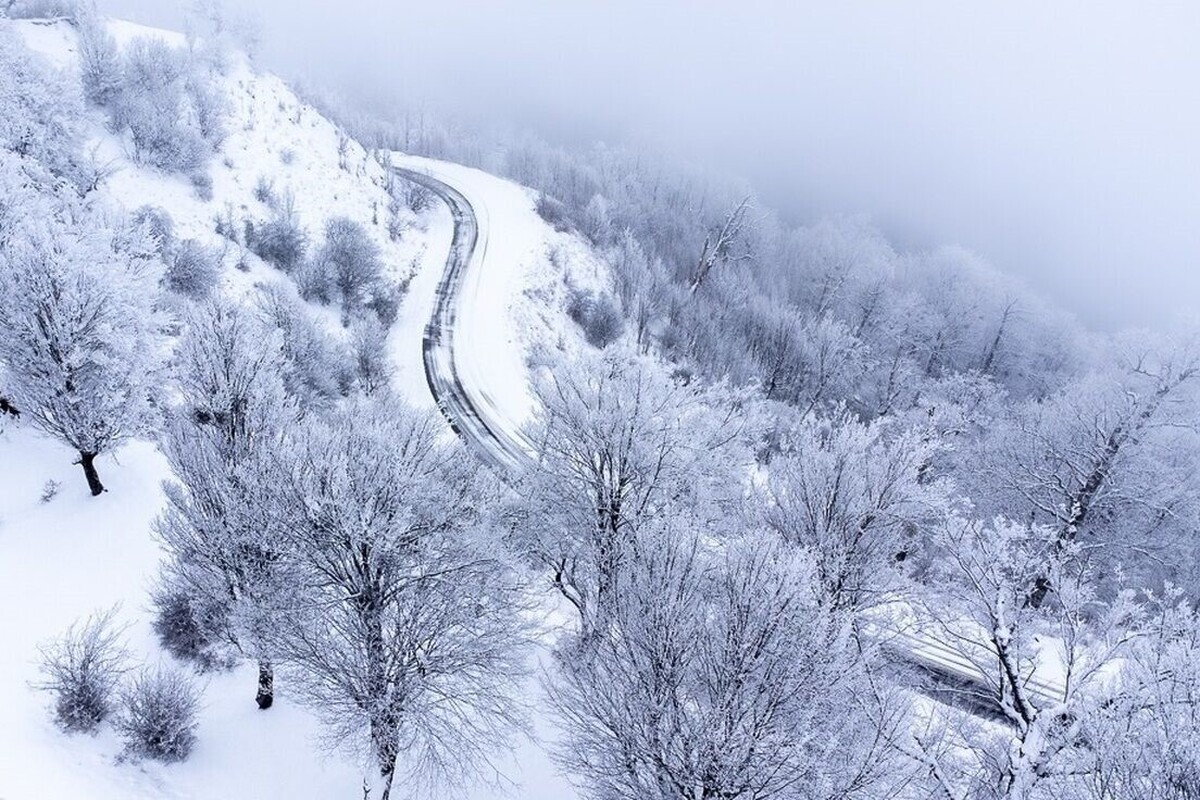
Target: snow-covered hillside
point(70, 555)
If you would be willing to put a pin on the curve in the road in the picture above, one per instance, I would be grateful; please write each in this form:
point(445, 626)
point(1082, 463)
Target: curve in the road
point(468, 417)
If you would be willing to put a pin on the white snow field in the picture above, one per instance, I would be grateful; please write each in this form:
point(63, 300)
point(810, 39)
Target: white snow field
point(64, 559)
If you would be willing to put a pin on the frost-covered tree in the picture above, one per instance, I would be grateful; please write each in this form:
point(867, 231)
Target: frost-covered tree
point(352, 259)
point(316, 366)
point(1105, 461)
point(1143, 741)
point(852, 495)
point(166, 101)
point(222, 535)
point(1046, 670)
point(621, 443)
point(81, 350)
point(724, 677)
point(406, 640)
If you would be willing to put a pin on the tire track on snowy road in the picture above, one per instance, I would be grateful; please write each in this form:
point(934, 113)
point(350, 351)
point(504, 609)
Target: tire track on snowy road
point(469, 410)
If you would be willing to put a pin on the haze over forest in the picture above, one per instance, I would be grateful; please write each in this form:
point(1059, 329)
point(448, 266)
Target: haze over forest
point(1057, 142)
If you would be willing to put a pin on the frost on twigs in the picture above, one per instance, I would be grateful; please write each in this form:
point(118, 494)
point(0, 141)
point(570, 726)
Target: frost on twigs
point(82, 670)
point(158, 715)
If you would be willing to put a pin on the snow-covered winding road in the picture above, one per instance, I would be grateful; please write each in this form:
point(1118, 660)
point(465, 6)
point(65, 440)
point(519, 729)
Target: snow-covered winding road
point(455, 373)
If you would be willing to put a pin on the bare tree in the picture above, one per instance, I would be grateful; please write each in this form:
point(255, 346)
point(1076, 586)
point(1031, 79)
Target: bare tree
point(620, 444)
point(219, 528)
point(723, 678)
point(722, 244)
point(406, 636)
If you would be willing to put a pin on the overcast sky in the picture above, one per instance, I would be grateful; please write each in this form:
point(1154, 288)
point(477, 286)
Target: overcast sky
point(1059, 140)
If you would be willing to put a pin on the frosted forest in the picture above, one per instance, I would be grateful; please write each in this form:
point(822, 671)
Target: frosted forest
point(355, 454)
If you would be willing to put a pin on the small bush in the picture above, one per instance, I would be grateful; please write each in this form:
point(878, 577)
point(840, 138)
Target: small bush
point(287, 156)
point(50, 491)
point(158, 221)
point(193, 270)
point(353, 261)
point(553, 213)
point(158, 715)
point(373, 369)
point(202, 183)
point(225, 226)
point(209, 108)
point(385, 302)
point(185, 628)
point(314, 282)
point(417, 197)
point(82, 671)
point(598, 316)
point(154, 106)
point(317, 368)
point(279, 242)
point(264, 191)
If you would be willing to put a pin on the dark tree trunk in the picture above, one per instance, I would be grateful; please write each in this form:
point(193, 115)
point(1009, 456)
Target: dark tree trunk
point(88, 461)
point(266, 685)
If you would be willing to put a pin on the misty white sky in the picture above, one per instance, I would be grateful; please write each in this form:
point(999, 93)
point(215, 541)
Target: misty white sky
point(1059, 140)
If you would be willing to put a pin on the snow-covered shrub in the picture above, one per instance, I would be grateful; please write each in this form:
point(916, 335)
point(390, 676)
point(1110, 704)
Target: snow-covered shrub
point(158, 714)
point(598, 316)
point(554, 213)
point(49, 491)
point(156, 107)
point(264, 191)
point(385, 301)
point(417, 198)
point(224, 225)
point(202, 182)
point(373, 368)
point(317, 369)
point(99, 61)
point(40, 110)
point(352, 259)
point(280, 242)
point(314, 282)
point(159, 224)
point(209, 107)
point(193, 270)
point(82, 671)
point(185, 627)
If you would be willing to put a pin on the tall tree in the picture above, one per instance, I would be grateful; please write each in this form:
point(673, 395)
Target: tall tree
point(222, 535)
point(407, 637)
point(621, 444)
point(853, 497)
point(1105, 460)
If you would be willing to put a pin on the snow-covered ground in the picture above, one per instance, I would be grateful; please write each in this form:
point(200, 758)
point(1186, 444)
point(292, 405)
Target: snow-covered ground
point(73, 555)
